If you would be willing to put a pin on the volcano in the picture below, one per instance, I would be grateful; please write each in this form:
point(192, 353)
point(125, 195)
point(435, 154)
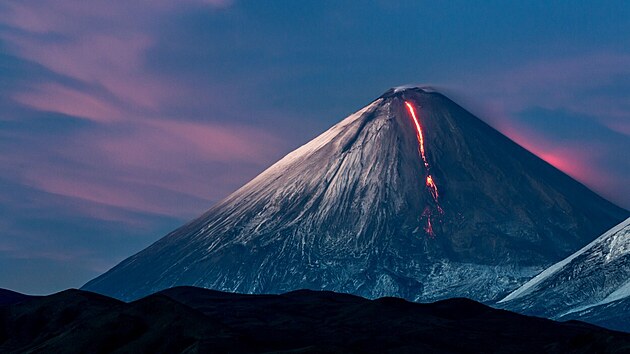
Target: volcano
point(411, 196)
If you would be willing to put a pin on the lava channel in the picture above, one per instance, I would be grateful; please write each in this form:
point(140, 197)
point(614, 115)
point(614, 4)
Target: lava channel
point(428, 213)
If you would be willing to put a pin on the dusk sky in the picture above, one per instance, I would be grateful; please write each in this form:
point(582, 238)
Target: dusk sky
point(121, 120)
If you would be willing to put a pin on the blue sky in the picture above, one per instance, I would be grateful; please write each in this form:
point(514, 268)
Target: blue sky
point(121, 120)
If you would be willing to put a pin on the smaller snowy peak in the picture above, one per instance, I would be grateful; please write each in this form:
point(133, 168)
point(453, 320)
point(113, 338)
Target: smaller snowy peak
point(596, 275)
point(612, 245)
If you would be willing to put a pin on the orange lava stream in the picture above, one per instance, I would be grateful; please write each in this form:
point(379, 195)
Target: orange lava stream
point(412, 111)
point(431, 186)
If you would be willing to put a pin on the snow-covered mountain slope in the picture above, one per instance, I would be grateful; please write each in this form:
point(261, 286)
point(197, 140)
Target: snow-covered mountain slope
point(411, 196)
point(613, 315)
point(596, 275)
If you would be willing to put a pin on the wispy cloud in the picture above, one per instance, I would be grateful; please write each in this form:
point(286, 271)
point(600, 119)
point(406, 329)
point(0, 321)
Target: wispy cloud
point(56, 98)
point(136, 156)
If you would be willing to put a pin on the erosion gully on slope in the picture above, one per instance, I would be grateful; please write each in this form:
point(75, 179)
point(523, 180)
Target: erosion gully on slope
point(428, 212)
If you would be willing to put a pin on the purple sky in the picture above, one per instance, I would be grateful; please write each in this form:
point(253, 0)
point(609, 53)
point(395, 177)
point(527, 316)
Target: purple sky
point(120, 120)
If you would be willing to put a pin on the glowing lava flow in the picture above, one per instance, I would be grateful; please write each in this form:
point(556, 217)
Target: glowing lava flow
point(431, 186)
point(412, 111)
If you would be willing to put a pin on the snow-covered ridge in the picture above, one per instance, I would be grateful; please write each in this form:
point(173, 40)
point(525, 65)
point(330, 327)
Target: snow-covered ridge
point(618, 240)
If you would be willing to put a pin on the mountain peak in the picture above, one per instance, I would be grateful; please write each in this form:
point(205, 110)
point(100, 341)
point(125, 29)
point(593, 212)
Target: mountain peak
point(398, 91)
point(411, 196)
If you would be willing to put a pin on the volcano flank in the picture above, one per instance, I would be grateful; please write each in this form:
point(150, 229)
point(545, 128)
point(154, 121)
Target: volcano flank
point(411, 196)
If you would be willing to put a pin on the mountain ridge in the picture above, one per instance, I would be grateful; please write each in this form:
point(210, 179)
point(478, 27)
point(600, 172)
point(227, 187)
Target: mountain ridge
point(197, 320)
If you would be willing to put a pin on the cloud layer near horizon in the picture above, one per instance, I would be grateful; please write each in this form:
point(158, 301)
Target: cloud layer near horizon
point(120, 120)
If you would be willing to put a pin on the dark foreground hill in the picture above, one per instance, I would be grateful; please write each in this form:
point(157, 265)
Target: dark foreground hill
point(194, 320)
point(8, 297)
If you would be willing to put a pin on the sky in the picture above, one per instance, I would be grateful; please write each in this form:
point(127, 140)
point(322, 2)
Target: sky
point(121, 120)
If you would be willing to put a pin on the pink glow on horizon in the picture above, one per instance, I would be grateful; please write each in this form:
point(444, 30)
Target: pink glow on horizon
point(576, 160)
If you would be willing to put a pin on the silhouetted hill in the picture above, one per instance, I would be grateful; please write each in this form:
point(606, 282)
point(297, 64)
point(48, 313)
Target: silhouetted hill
point(9, 297)
point(195, 320)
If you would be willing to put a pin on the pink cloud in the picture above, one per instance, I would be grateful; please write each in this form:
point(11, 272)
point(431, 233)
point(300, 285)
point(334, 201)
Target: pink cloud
point(102, 193)
point(111, 62)
point(184, 157)
point(151, 166)
point(100, 43)
point(59, 99)
point(180, 194)
point(220, 142)
point(138, 159)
